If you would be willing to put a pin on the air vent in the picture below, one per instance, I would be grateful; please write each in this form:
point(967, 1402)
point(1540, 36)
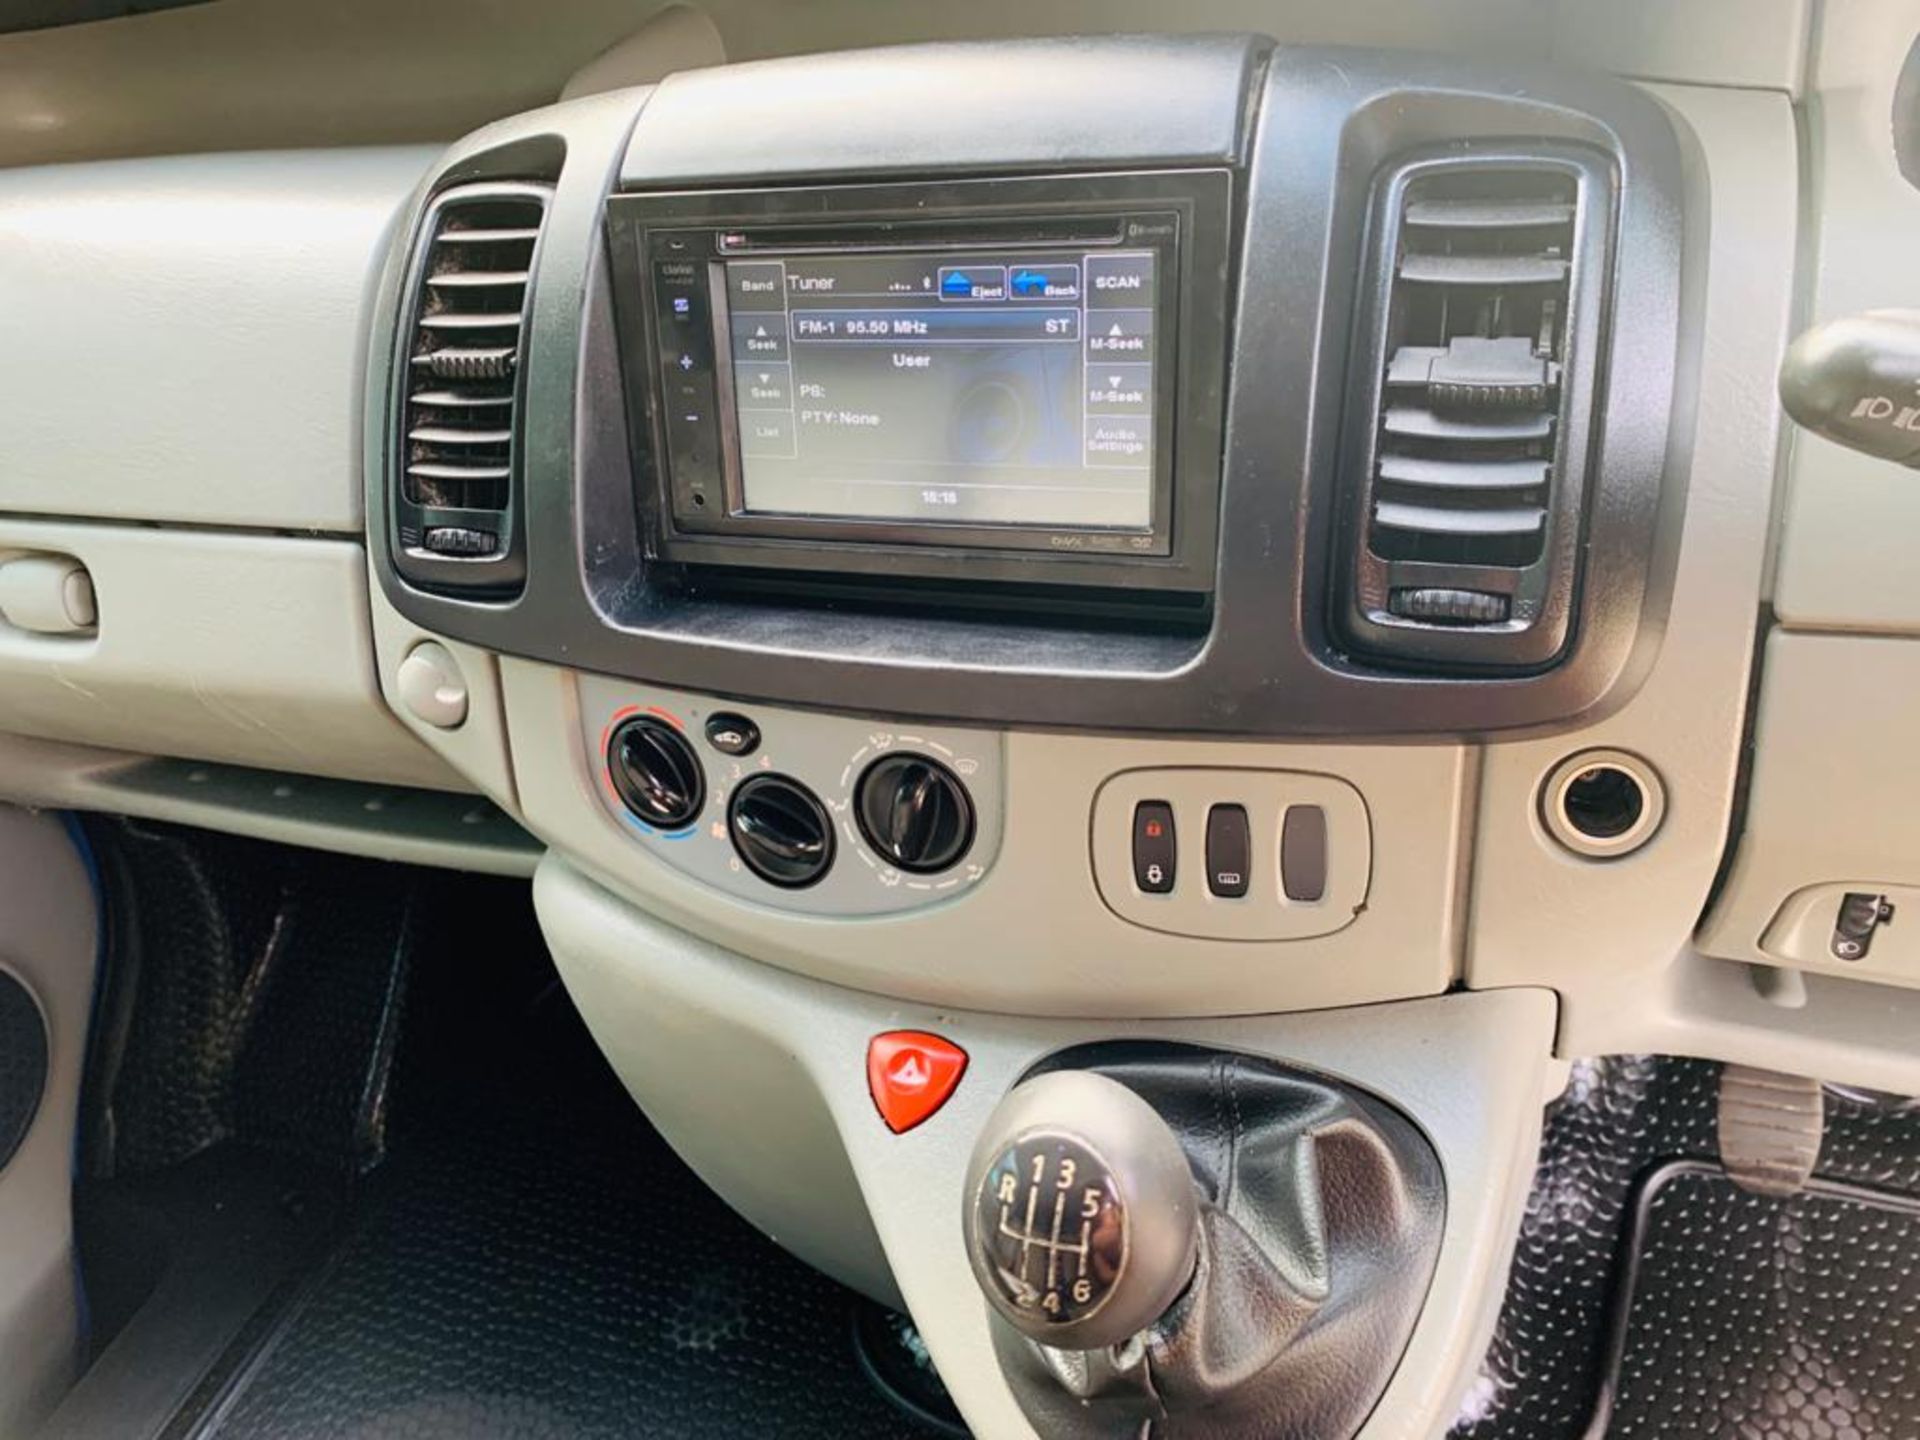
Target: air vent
point(1464, 470)
point(462, 388)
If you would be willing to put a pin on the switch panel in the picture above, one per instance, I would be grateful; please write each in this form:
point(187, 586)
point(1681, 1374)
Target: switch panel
point(1288, 854)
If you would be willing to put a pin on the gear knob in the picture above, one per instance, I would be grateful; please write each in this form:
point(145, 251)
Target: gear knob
point(1082, 1218)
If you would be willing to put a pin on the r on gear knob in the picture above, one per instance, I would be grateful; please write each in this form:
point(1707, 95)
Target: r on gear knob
point(1081, 1212)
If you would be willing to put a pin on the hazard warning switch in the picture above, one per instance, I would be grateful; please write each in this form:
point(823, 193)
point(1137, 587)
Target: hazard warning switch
point(910, 1074)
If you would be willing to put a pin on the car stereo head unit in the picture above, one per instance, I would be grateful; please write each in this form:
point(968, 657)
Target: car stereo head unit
point(1015, 380)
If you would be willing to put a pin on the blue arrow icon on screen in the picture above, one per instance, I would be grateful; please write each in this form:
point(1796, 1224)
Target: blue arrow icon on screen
point(956, 282)
point(1029, 282)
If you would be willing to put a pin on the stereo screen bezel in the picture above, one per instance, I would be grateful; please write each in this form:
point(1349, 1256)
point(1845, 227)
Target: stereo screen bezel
point(688, 482)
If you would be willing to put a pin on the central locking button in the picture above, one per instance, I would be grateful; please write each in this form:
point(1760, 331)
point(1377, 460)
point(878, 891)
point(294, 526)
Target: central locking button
point(1154, 850)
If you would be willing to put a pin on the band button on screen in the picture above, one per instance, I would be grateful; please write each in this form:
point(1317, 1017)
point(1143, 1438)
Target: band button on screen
point(756, 285)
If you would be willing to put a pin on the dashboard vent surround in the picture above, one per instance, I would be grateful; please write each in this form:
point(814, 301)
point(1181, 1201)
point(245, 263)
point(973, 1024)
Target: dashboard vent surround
point(461, 387)
point(1464, 460)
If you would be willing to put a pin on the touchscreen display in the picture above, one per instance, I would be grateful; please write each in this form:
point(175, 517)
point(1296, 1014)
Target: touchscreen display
point(990, 387)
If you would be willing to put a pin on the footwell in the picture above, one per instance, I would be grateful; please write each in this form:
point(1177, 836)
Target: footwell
point(482, 1236)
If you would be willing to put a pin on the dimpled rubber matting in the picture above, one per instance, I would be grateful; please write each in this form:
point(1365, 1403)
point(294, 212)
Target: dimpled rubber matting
point(524, 1287)
point(1623, 1117)
point(533, 1261)
point(1619, 1115)
point(1758, 1317)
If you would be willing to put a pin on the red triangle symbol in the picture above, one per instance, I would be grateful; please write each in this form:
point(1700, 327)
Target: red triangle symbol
point(910, 1074)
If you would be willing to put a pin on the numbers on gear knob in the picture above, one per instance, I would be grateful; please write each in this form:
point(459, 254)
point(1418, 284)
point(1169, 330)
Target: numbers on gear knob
point(1053, 1228)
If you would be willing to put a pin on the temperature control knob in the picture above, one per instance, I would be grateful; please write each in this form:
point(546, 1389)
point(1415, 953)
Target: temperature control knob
point(656, 773)
point(781, 830)
point(914, 812)
point(1082, 1217)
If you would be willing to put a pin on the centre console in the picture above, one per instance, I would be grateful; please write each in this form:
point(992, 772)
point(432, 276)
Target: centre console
point(987, 562)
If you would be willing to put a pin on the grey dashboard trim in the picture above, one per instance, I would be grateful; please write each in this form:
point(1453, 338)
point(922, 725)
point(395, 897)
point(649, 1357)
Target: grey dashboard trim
point(184, 334)
point(1328, 119)
point(917, 109)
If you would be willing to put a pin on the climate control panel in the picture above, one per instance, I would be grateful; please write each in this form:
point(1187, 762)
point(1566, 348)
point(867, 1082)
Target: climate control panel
point(823, 814)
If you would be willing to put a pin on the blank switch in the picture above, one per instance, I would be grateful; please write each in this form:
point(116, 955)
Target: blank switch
point(1303, 853)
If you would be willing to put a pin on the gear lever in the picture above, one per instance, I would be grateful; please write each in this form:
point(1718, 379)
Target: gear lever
point(1083, 1218)
point(1195, 1243)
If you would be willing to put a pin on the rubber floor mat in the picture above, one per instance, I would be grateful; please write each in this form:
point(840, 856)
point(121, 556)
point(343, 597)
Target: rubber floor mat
point(546, 1286)
point(533, 1262)
point(1756, 1317)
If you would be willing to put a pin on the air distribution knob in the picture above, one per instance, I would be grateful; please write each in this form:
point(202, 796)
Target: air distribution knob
point(656, 773)
point(1082, 1218)
point(914, 812)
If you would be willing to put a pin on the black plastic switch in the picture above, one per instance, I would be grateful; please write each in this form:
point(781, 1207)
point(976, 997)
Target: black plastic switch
point(1229, 851)
point(732, 734)
point(1860, 915)
point(1854, 381)
point(1154, 851)
point(1303, 853)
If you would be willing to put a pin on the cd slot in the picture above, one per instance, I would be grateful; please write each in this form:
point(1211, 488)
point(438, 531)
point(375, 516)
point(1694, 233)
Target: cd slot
point(920, 235)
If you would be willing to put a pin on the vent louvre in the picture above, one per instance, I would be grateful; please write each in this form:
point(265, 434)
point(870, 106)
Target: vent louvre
point(460, 411)
point(1466, 493)
point(1477, 338)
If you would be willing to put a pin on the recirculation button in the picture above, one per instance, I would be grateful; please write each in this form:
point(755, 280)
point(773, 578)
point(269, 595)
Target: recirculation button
point(732, 734)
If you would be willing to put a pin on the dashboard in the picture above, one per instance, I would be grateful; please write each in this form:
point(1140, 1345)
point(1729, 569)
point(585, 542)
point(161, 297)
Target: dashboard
point(912, 536)
point(1191, 510)
point(878, 536)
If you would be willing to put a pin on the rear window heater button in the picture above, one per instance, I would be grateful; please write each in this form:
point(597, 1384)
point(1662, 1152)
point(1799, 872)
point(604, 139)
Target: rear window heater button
point(1229, 851)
